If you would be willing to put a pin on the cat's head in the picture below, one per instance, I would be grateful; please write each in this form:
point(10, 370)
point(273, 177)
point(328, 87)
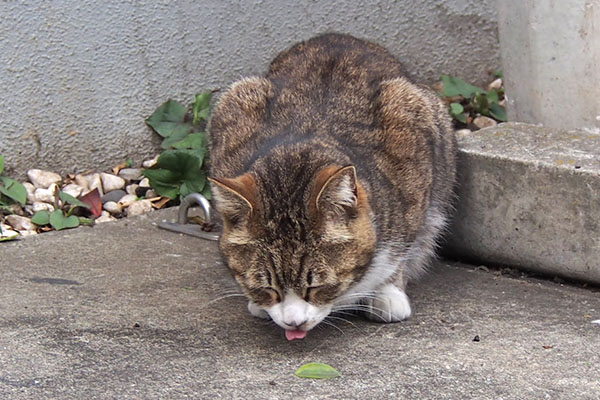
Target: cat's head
point(296, 247)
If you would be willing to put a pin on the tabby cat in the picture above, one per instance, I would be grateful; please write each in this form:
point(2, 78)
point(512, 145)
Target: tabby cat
point(334, 177)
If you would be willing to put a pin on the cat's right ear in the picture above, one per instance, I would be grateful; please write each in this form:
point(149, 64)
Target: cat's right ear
point(234, 198)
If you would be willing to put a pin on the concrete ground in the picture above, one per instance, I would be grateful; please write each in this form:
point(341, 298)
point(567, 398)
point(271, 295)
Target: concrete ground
point(125, 310)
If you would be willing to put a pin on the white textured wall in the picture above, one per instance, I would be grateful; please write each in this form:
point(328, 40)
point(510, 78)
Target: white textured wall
point(551, 58)
point(78, 78)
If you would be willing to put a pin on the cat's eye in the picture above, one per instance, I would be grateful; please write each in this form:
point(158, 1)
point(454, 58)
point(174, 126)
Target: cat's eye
point(310, 290)
point(274, 293)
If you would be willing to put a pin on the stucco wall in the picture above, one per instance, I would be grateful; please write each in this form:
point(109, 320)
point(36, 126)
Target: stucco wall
point(79, 77)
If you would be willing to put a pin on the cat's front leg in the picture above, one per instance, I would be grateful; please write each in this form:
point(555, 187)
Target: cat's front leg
point(257, 311)
point(388, 304)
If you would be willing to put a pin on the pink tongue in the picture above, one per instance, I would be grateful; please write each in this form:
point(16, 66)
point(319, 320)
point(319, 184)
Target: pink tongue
point(294, 334)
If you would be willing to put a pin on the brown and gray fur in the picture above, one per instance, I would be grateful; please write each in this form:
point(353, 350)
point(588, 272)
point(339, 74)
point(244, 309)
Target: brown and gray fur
point(334, 177)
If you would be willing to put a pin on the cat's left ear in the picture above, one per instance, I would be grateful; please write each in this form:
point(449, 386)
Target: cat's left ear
point(235, 197)
point(337, 189)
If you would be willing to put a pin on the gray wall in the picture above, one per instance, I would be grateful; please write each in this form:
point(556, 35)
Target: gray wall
point(79, 77)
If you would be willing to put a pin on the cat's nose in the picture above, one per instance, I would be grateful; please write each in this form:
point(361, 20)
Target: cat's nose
point(295, 323)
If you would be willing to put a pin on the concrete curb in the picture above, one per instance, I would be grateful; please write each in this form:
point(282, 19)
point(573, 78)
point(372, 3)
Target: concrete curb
point(529, 197)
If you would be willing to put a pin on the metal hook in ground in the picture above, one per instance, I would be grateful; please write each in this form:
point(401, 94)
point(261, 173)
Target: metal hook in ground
point(182, 225)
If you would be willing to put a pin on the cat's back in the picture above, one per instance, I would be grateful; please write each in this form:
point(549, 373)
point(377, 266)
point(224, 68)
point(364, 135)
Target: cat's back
point(335, 55)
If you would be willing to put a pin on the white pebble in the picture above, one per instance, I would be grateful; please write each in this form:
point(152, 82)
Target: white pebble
point(105, 217)
point(145, 182)
point(40, 206)
point(30, 192)
point(150, 163)
point(127, 200)
point(131, 174)
point(7, 231)
point(43, 179)
point(484, 122)
point(45, 195)
point(139, 207)
point(95, 182)
point(496, 84)
point(151, 193)
point(111, 182)
point(112, 207)
point(73, 189)
point(82, 181)
point(20, 223)
point(130, 189)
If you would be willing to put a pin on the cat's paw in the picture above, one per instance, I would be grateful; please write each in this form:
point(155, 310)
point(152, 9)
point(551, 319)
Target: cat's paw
point(257, 311)
point(390, 304)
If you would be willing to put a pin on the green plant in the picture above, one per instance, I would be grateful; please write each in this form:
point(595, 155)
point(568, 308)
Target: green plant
point(11, 191)
point(466, 100)
point(62, 217)
point(180, 169)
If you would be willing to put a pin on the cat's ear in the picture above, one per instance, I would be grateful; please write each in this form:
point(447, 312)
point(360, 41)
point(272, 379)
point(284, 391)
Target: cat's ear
point(337, 189)
point(234, 197)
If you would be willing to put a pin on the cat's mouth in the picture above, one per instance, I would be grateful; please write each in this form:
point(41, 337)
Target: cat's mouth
point(292, 334)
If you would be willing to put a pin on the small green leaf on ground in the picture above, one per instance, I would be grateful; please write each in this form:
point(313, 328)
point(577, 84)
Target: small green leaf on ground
point(60, 221)
point(7, 238)
point(498, 112)
point(317, 371)
point(41, 218)
point(68, 199)
point(1, 164)
point(13, 189)
point(454, 86)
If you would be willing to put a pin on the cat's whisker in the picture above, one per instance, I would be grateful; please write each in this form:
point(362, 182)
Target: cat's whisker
point(342, 319)
point(333, 325)
point(225, 297)
point(378, 312)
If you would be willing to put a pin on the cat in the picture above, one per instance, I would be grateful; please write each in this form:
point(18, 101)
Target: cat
point(334, 177)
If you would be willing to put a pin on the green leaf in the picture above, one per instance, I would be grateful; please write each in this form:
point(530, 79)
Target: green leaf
point(454, 86)
point(60, 221)
point(193, 186)
point(179, 133)
point(317, 371)
point(68, 199)
point(7, 238)
point(1, 164)
point(129, 163)
point(161, 184)
point(461, 117)
point(192, 141)
point(480, 102)
point(41, 218)
point(207, 193)
point(167, 118)
point(456, 108)
point(201, 106)
point(492, 96)
point(86, 221)
point(498, 112)
point(13, 189)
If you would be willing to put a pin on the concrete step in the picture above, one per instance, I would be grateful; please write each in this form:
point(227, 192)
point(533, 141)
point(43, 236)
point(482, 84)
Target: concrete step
point(125, 310)
point(529, 197)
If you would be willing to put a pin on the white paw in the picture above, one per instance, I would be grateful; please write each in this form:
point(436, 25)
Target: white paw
point(257, 311)
point(390, 304)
